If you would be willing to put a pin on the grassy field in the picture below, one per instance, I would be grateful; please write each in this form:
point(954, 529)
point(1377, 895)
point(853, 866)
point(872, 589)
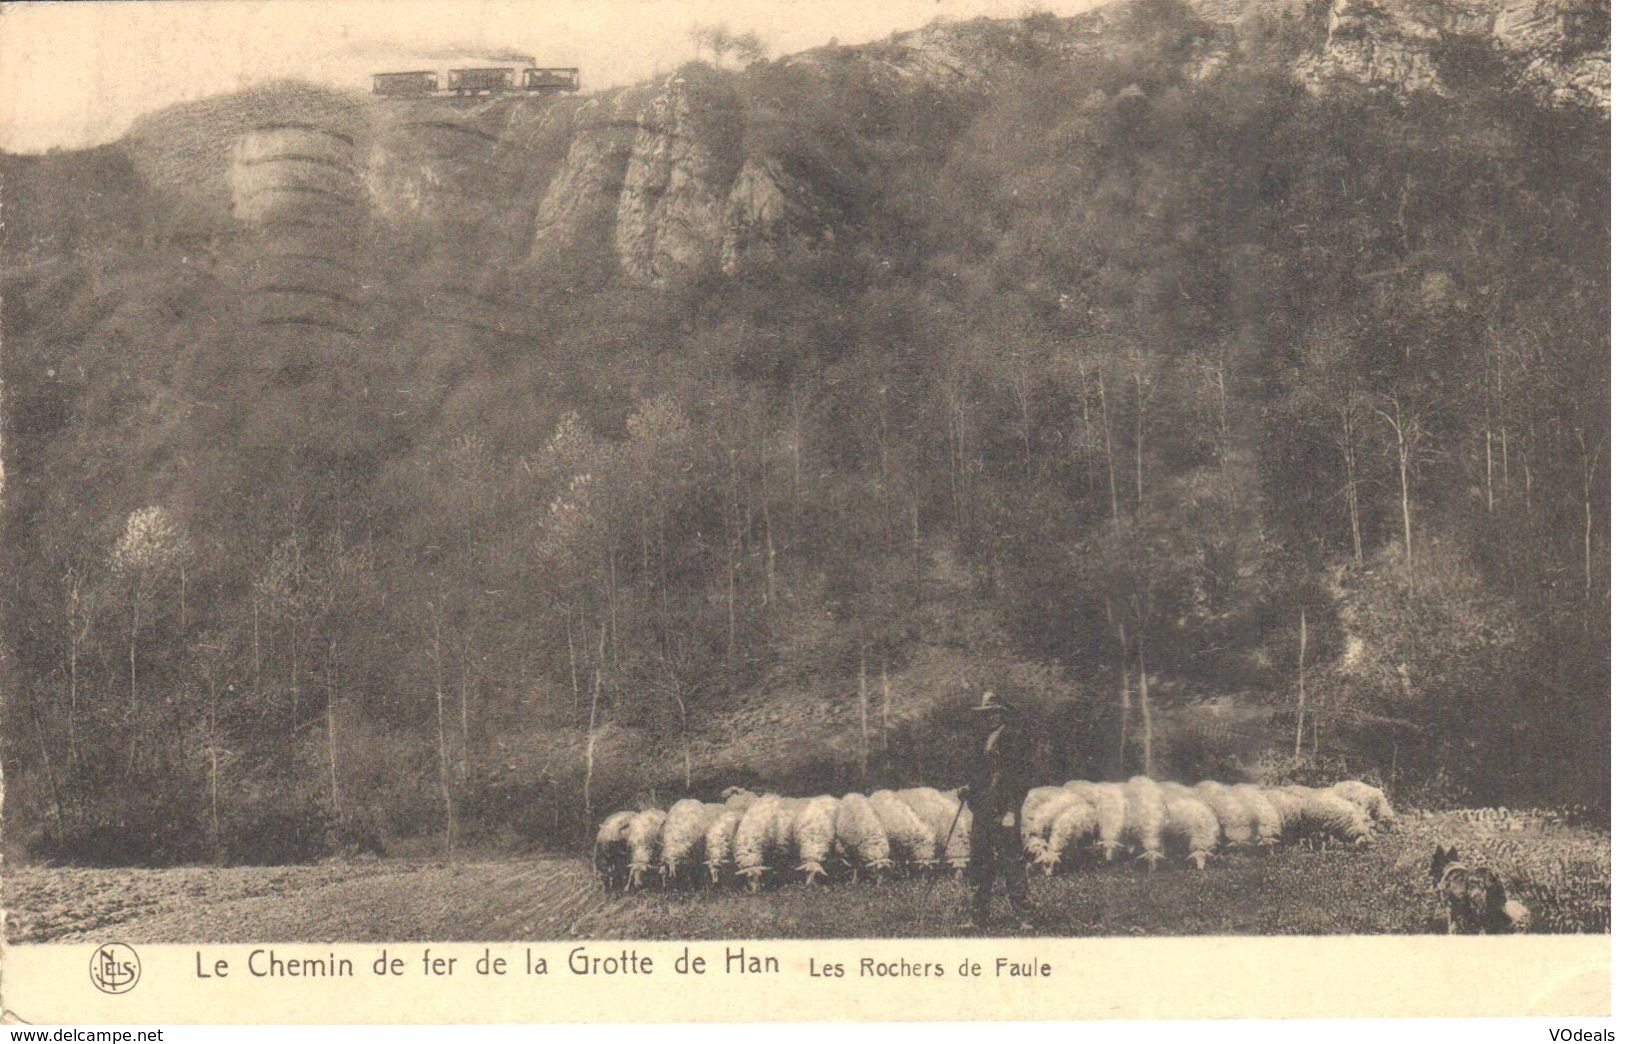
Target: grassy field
point(1560, 871)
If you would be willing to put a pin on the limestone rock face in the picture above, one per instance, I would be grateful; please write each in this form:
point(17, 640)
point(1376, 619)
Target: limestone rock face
point(580, 201)
point(683, 161)
point(1560, 44)
point(767, 206)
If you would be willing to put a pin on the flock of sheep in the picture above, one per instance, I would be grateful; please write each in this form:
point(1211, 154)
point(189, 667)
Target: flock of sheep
point(755, 837)
point(758, 838)
point(1155, 820)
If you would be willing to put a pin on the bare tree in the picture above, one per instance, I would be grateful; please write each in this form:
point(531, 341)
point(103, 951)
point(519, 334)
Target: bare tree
point(1407, 429)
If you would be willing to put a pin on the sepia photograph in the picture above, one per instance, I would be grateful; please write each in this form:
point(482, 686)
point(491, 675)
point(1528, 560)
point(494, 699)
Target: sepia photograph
point(639, 470)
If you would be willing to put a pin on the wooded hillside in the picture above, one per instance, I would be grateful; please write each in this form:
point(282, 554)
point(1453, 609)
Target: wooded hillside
point(1240, 430)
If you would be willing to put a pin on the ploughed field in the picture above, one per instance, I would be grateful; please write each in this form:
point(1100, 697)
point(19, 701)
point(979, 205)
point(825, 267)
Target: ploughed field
point(1560, 871)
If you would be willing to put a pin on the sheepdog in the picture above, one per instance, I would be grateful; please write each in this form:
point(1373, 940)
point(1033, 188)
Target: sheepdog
point(1473, 897)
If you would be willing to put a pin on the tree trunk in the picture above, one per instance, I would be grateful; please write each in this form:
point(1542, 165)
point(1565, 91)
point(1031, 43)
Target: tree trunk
point(575, 686)
point(440, 728)
point(1127, 708)
point(1106, 433)
point(885, 707)
point(1139, 438)
point(1225, 474)
point(1590, 475)
point(771, 552)
point(1403, 448)
point(1405, 496)
point(462, 709)
point(918, 559)
point(1303, 689)
point(135, 627)
point(1145, 709)
point(214, 768)
point(1352, 484)
point(863, 713)
point(682, 726)
point(333, 724)
point(256, 606)
point(50, 769)
point(592, 729)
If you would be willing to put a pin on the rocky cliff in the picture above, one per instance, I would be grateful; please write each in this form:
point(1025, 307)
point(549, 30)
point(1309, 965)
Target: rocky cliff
point(670, 177)
point(1560, 46)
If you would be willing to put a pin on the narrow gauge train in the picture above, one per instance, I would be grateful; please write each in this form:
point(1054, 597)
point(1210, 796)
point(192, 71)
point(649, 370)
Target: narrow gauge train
point(499, 79)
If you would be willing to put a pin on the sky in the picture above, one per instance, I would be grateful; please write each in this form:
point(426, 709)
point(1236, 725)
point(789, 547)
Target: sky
point(76, 74)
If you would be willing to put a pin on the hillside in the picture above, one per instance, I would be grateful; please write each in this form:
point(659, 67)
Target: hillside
point(1227, 382)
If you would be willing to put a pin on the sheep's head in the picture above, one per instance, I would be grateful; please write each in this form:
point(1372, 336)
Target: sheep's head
point(1049, 862)
point(715, 870)
point(753, 878)
point(1150, 856)
point(926, 865)
point(1517, 916)
point(813, 869)
point(634, 875)
point(879, 866)
point(1199, 859)
point(1108, 849)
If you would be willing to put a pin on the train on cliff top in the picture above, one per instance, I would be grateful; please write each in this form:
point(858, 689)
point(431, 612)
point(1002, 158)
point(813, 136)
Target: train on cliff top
point(467, 83)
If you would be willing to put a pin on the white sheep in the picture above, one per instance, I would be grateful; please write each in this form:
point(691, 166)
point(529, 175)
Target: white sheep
point(1290, 806)
point(913, 843)
point(1030, 804)
point(1327, 816)
point(609, 848)
point(860, 835)
point(719, 843)
point(738, 799)
point(934, 812)
point(1237, 825)
point(1368, 797)
point(956, 846)
point(753, 841)
point(643, 845)
point(1191, 827)
point(1073, 828)
point(1145, 816)
point(1037, 824)
point(1111, 809)
point(814, 835)
point(1268, 826)
point(682, 838)
point(782, 850)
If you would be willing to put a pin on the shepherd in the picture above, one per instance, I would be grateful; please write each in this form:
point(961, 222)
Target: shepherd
point(999, 781)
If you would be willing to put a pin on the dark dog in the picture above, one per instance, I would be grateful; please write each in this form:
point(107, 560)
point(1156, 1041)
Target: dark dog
point(1474, 898)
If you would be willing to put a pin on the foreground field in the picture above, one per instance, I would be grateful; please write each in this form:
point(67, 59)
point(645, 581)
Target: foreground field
point(1561, 872)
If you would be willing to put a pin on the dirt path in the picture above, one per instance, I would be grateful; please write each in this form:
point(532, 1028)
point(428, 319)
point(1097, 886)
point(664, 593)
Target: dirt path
point(517, 899)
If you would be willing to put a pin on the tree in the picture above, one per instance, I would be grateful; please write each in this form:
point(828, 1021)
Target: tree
point(152, 549)
point(721, 42)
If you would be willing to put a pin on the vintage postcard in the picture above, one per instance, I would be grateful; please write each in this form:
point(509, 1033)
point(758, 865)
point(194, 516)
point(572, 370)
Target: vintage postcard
point(729, 510)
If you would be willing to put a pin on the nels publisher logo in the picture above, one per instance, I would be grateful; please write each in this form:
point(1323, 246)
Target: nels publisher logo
point(114, 968)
